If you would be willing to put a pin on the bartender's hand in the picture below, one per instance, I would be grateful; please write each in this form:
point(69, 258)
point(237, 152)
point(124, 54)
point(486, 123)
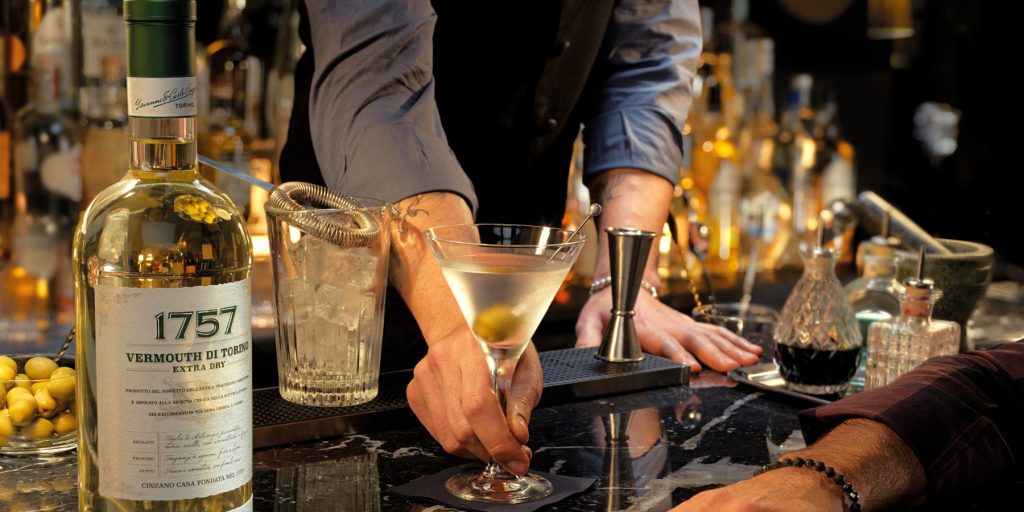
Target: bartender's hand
point(451, 388)
point(639, 199)
point(451, 395)
point(668, 333)
point(781, 490)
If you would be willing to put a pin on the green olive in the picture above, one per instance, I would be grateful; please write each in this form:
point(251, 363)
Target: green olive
point(63, 371)
point(47, 404)
point(496, 323)
point(38, 429)
point(22, 410)
point(62, 385)
point(39, 368)
point(65, 422)
point(7, 376)
point(18, 392)
point(6, 425)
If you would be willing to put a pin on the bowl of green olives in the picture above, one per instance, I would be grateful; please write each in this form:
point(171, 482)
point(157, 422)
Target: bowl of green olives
point(37, 405)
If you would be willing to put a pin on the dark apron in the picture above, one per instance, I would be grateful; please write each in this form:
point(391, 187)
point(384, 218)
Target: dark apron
point(511, 83)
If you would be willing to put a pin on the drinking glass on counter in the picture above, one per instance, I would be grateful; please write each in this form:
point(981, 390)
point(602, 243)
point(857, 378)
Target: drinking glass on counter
point(756, 326)
point(330, 272)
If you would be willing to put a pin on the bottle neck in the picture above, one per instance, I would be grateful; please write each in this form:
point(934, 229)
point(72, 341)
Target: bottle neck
point(876, 268)
point(163, 144)
point(45, 90)
point(916, 310)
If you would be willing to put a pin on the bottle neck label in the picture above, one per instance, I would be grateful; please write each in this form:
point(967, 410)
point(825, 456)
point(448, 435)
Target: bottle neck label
point(162, 97)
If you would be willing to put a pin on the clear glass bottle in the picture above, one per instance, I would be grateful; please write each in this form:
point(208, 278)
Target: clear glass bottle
point(106, 130)
point(794, 164)
point(162, 261)
point(52, 39)
point(229, 134)
point(873, 295)
point(816, 340)
point(899, 345)
point(48, 188)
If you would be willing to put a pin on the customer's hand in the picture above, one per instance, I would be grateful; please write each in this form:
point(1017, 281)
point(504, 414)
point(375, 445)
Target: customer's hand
point(665, 332)
point(782, 490)
point(451, 394)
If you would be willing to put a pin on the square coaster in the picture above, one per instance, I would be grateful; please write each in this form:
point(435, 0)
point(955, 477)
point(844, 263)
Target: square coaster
point(431, 487)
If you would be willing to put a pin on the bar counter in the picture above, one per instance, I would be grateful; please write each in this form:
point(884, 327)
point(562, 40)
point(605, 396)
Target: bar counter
point(676, 442)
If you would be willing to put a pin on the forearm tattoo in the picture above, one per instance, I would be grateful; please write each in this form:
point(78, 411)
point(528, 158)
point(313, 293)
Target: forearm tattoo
point(608, 190)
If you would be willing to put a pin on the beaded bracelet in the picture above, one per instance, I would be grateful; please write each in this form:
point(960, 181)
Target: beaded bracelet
point(604, 282)
point(829, 472)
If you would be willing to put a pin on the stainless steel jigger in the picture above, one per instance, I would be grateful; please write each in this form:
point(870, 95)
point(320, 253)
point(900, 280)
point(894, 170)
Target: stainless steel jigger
point(628, 249)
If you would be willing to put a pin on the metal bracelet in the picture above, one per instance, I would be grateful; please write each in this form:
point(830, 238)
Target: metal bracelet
point(602, 283)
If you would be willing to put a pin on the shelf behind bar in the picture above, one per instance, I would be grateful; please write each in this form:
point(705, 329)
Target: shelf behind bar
point(569, 375)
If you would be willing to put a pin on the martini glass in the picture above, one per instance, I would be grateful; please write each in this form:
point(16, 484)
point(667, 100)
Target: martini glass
point(503, 278)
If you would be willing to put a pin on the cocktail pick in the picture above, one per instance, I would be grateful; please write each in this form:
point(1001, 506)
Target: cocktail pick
point(244, 176)
point(593, 211)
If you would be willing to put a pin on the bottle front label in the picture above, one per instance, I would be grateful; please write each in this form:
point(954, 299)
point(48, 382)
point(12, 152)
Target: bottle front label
point(173, 391)
point(103, 36)
point(162, 97)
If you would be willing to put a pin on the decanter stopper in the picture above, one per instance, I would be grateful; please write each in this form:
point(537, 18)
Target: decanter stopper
point(628, 250)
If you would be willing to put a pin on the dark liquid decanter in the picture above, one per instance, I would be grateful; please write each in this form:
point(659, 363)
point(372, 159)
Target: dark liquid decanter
point(817, 343)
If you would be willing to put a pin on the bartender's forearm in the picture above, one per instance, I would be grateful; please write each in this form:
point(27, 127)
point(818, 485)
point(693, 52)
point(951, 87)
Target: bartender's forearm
point(630, 198)
point(414, 272)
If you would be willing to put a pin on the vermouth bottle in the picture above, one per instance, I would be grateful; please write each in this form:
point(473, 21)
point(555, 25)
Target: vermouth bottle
point(162, 262)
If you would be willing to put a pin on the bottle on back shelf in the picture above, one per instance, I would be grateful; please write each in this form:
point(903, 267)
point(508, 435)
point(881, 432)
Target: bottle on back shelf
point(162, 261)
point(231, 127)
point(103, 102)
point(48, 190)
point(873, 295)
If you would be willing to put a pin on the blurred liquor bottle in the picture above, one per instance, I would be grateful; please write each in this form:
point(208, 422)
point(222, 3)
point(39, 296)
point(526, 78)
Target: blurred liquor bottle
point(714, 158)
point(52, 26)
point(6, 204)
point(835, 173)
point(235, 84)
point(577, 205)
point(280, 91)
point(764, 204)
point(103, 96)
point(794, 163)
point(736, 37)
point(48, 188)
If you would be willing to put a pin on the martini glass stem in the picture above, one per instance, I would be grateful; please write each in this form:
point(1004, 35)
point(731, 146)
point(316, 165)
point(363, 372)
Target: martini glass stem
point(502, 370)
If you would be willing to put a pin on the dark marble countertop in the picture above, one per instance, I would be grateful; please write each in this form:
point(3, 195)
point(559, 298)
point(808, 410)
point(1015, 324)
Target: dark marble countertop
point(678, 441)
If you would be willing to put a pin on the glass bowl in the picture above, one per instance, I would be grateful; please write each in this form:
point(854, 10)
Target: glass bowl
point(41, 419)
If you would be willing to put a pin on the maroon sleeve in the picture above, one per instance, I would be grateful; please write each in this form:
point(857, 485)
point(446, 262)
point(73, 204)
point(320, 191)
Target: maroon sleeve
point(963, 416)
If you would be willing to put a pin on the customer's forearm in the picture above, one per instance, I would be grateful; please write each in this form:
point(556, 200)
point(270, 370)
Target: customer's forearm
point(414, 272)
point(879, 465)
point(630, 198)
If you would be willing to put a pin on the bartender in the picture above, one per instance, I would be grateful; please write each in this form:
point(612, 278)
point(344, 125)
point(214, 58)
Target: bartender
point(460, 111)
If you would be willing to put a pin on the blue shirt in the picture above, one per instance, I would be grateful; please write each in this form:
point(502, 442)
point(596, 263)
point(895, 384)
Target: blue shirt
point(375, 124)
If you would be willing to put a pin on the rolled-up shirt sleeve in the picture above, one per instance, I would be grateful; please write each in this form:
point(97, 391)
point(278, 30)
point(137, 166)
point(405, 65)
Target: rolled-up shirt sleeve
point(652, 49)
point(963, 416)
point(374, 121)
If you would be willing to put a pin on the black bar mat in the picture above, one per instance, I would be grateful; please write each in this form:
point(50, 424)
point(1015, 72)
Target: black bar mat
point(569, 375)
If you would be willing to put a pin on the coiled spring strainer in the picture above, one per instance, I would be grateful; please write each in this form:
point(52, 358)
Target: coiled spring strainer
point(296, 198)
